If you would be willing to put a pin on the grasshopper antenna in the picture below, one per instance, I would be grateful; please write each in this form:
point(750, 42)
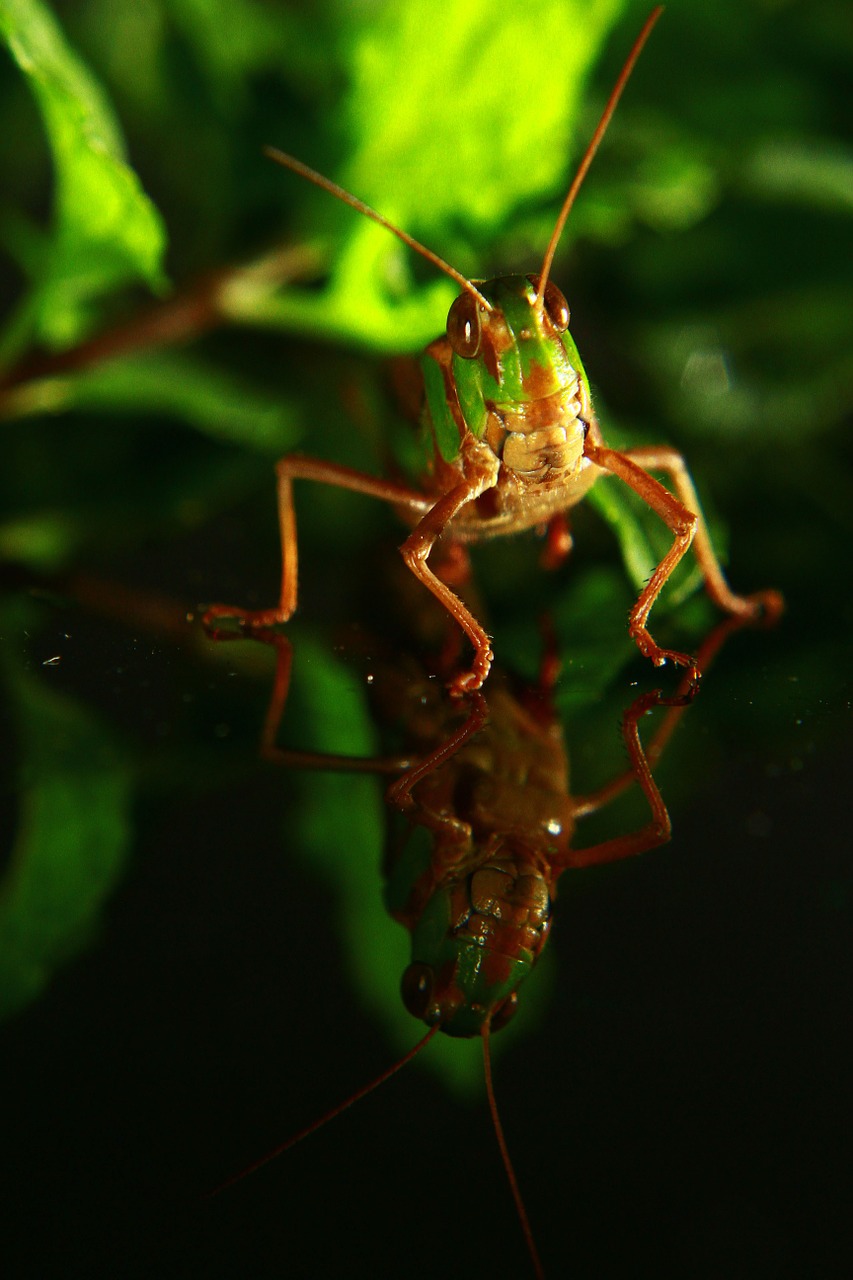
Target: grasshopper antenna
point(325, 1119)
point(290, 162)
point(505, 1157)
point(588, 155)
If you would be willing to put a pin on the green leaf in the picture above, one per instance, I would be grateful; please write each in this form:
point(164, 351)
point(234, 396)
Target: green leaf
point(808, 172)
point(612, 501)
point(175, 384)
point(410, 153)
point(591, 621)
point(462, 140)
point(72, 839)
point(233, 38)
point(106, 231)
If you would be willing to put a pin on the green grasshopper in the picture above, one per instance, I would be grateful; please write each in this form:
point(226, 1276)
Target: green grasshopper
point(512, 443)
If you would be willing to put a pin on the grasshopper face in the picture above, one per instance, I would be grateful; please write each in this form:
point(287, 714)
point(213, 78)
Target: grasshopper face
point(515, 354)
point(475, 942)
point(514, 376)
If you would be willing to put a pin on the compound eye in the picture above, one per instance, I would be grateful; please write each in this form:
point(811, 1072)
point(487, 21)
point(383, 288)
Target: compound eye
point(464, 329)
point(555, 306)
point(416, 989)
point(505, 1013)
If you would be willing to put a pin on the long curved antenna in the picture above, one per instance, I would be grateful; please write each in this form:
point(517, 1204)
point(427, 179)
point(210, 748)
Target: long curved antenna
point(592, 148)
point(507, 1162)
point(290, 162)
point(329, 1115)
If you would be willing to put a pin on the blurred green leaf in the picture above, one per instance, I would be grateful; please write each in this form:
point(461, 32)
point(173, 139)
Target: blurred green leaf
point(106, 231)
point(807, 172)
point(177, 385)
point(417, 152)
point(73, 832)
point(234, 37)
point(417, 139)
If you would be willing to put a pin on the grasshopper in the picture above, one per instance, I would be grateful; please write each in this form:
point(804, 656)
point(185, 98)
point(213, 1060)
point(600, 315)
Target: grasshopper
point(511, 442)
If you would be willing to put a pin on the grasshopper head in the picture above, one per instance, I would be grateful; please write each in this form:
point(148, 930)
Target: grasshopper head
point(514, 367)
point(475, 941)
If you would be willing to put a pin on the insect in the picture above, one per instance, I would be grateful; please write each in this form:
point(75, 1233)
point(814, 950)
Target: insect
point(482, 827)
point(483, 822)
point(511, 442)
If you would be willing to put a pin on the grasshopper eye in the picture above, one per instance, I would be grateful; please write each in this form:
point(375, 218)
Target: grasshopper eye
point(555, 306)
point(416, 989)
point(464, 330)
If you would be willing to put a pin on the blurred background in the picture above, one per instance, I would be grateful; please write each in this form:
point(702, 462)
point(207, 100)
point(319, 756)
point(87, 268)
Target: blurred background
point(194, 957)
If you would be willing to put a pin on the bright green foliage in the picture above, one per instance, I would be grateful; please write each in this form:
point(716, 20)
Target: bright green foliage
point(415, 152)
point(106, 232)
point(484, 77)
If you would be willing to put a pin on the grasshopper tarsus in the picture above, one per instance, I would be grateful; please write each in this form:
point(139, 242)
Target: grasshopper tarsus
point(257, 623)
point(769, 606)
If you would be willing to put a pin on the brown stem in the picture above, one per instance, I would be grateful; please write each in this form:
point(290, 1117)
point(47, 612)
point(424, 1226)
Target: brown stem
point(185, 316)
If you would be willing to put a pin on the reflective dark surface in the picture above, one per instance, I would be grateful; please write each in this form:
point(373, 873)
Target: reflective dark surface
point(685, 1075)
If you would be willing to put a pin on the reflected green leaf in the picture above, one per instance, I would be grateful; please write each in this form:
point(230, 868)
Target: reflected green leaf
point(340, 828)
point(73, 833)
